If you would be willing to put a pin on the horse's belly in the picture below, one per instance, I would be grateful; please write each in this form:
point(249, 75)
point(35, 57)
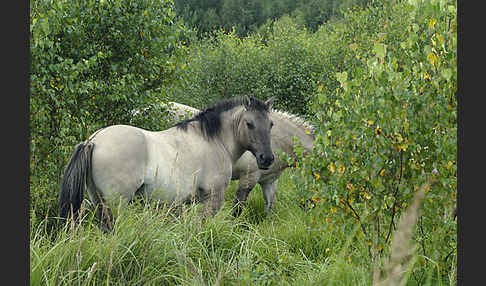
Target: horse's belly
point(173, 169)
point(170, 184)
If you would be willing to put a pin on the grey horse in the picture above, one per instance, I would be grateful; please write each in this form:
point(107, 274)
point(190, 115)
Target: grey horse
point(286, 127)
point(192, 161)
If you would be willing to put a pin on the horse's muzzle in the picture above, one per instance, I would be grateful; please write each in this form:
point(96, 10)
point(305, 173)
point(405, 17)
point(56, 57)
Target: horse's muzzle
point(264, 161)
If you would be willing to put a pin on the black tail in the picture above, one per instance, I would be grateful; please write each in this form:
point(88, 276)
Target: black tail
point(74, 180)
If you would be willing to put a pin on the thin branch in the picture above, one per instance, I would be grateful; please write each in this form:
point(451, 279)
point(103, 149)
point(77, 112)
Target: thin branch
point(360, 224)
point(357, 217)
point(395, 203)
point(447, 257)
point(422, 242)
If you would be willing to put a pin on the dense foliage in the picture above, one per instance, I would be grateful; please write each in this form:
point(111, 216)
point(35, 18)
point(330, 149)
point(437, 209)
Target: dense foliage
point(92, 62)
point(385, 111)
point(246, 17)
point(281, 62)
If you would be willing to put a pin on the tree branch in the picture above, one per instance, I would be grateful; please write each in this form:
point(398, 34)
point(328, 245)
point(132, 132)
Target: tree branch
point(392, 222)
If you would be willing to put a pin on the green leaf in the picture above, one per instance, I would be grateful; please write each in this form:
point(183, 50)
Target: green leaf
point(342, 77)
point(45, 26)
point(380, 50)
point(446, 73)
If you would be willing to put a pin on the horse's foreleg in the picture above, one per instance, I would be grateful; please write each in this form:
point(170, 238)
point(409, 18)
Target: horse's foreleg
point(217, 199)
point(212, 200)
point(268, 190)
point(245, 185)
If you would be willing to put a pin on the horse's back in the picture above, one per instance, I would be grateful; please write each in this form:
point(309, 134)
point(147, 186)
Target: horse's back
point(119, 160)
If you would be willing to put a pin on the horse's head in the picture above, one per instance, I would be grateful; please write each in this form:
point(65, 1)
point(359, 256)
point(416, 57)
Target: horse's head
point(255, 127)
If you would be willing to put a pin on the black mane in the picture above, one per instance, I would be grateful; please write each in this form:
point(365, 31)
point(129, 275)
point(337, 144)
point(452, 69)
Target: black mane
point(210, 118)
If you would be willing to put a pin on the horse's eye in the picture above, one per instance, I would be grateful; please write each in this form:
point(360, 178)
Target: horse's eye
point(271, 124)
point(250, 125)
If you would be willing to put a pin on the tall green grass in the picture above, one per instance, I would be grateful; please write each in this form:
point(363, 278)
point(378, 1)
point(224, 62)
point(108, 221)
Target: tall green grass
point(152, 245)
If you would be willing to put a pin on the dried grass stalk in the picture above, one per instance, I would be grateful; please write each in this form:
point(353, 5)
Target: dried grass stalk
point(401, 249)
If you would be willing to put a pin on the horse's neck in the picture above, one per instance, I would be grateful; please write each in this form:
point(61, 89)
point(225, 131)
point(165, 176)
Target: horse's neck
point(229, 134)
point(290, 126)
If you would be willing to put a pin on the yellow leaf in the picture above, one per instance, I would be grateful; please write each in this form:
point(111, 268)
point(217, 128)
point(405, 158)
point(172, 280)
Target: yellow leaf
point(432, 59)
point(317, 176)
point(370, 122)
point(398, 147)
point(328, 220)
point(404, 146)
point(341, 169)
point(449, 165)
point(319, 88)
point(399, 138)
point(432, 23)
point(441, 39)
point(328, 250)
point(332, 167)
point(367, 196)
point(382, 172)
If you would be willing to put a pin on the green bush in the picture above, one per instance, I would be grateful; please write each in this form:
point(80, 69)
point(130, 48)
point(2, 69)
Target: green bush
point(386, 114)
point(92, 62)
point(280, 61)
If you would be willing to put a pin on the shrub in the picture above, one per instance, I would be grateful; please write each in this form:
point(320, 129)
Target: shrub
point(92, 62)
point(280, 61)
point(386, 116)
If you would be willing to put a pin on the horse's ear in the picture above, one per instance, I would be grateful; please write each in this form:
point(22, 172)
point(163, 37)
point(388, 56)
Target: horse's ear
point(247, 101)
point(269, 102)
